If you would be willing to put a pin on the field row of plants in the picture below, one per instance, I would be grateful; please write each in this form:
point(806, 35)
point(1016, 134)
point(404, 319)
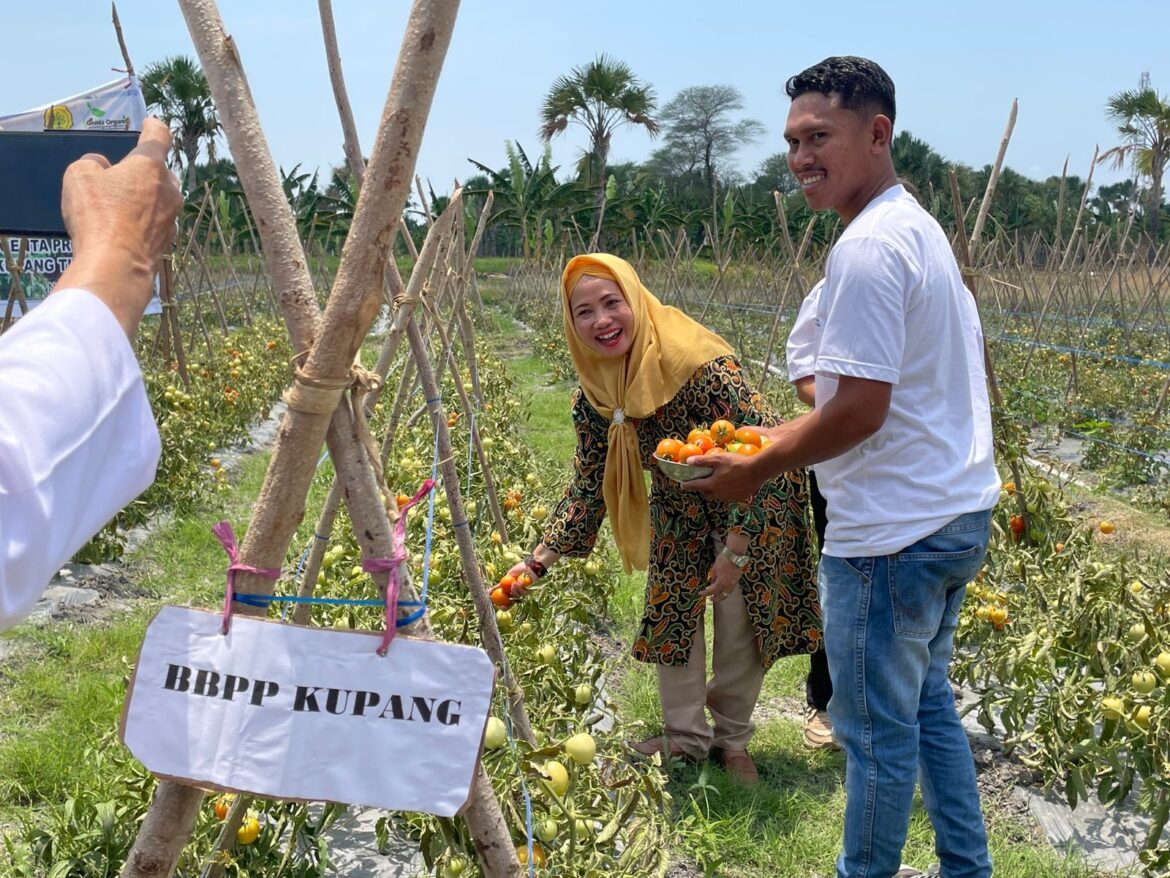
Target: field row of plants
point(1065, 637)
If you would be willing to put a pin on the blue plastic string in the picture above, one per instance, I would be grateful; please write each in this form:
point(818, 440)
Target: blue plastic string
point(263, 600)
point(421, 603)
point(527, 797)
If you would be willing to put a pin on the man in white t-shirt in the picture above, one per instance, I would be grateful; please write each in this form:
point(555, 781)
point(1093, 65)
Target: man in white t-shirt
point(77, 438)
point(902, 447)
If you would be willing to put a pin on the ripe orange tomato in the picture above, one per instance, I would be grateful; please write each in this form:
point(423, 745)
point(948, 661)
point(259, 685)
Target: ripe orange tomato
point(722, 432)
point(703, 442)
point(687, 452)
point(668, 448)
point(523, 581)
point(715, 449)
point(402, 499)
point(538, 856)
point(222, 805)
point(506, 583)
point(501, 598)
point(697, 432)
point(747, 449)
point(748, 435)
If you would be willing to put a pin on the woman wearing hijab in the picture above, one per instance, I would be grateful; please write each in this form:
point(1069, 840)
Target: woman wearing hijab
point(648, 371)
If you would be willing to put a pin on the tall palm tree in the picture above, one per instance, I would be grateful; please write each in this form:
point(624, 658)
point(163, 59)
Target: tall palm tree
point(601, 96)
point(178, 91)
point(1143, 119)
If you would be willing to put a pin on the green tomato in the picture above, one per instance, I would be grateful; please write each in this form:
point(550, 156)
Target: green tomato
point(545, 830)
point(495, 734)
point(1112, 707)
point(1144, 682)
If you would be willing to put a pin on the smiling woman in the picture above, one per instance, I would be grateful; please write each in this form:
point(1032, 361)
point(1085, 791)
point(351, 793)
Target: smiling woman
point(602, 316)
point(648, 371)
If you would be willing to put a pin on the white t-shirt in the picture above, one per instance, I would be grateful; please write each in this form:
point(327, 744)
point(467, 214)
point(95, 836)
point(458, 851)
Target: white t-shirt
point(77, 439)
point(801, 351)
point(894, 309)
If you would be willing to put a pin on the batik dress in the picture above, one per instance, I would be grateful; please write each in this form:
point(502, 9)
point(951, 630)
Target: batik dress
point(779, 581)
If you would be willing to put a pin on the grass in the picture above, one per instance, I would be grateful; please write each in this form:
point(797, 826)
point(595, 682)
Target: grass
point(791, 823)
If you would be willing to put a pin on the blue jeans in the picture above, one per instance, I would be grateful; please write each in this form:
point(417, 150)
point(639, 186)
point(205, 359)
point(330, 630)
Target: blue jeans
point(889, 633)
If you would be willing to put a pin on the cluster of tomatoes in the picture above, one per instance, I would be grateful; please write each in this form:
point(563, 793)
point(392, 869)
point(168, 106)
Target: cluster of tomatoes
point(502, 595)
point(249, 829)
point(721, 437)
point(512, 500)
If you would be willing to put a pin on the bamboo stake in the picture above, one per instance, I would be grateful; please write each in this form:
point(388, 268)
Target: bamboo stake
point(324, 528)
point(121, 40)
point(170, 317)
point(472, 576)
point(977, 232)
point(169, 821)
point(484, 817)
point(465, 403)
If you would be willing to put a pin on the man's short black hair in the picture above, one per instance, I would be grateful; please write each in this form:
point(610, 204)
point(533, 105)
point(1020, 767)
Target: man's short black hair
point(860, 82)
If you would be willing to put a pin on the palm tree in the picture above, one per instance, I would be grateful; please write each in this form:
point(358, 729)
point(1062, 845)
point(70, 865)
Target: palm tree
point(1143, 119)
point(178, 91)
point(601, 96)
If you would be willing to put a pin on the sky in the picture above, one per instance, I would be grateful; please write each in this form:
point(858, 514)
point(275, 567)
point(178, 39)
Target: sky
point(956, 67)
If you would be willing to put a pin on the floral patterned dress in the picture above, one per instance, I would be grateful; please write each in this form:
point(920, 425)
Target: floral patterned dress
point(778, 583)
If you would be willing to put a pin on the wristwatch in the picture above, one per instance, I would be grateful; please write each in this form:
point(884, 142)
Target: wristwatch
point(739, 561)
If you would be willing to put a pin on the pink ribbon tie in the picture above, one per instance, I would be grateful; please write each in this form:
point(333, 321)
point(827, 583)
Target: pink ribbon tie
point(227, 538)
point(393, 565)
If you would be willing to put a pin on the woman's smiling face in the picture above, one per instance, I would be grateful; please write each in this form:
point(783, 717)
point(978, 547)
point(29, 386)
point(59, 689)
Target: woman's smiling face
point(602, 316)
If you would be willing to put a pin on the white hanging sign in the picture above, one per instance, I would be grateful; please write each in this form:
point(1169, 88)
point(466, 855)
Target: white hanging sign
point(310, 714)
point(115, 106)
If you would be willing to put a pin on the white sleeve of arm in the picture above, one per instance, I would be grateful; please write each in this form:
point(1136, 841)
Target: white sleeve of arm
point(801, 349)
point(77, 439)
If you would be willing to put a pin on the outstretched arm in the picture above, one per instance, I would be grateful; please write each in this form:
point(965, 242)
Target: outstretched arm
point(77, 438)
point(856, 412)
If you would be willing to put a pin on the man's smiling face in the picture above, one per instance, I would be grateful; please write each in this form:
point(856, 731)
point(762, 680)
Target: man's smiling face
point(832, 153)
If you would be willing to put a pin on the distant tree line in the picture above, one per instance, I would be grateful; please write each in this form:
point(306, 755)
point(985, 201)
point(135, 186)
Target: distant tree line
point(690, 185)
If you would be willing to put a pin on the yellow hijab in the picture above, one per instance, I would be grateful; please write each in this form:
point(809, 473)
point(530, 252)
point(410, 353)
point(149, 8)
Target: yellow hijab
point(667, 349)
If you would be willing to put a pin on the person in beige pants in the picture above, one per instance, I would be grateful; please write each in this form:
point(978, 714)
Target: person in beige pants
point(649, 372)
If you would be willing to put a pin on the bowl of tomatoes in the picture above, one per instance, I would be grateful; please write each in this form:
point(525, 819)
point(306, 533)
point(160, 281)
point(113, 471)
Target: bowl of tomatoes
point(681, 459)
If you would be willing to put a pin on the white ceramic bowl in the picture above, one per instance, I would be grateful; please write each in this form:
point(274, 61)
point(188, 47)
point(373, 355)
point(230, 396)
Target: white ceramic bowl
point(682, 472)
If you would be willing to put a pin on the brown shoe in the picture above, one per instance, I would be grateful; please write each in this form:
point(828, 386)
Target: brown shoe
point(739, 765)
point(658, 745)
point(818, 730)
